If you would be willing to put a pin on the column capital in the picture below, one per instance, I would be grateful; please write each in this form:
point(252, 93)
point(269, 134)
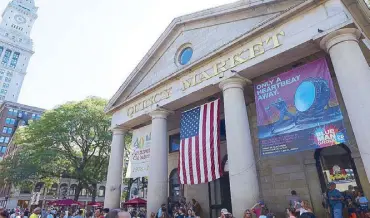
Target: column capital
point(234, 82)
point(160, 113)
point(118, 130)
point(338, 36)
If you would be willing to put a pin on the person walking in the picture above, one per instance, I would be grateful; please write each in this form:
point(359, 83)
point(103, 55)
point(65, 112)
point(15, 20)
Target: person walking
point(335, 198)
point(36, 213)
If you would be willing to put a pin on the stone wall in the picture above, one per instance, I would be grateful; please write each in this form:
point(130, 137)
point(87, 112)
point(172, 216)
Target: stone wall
point(278, 176)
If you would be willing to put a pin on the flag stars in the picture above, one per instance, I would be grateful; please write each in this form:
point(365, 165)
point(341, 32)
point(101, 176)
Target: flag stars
point(190, 123)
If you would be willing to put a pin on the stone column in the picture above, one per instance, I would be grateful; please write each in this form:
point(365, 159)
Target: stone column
point(353, 75)
point(242, 167)
point(158, 171)
point(114, 177)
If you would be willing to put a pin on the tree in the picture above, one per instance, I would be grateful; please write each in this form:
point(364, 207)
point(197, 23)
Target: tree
point(72, 140)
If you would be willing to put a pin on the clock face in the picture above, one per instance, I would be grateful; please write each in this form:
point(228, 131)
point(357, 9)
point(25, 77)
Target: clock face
point(20, 19)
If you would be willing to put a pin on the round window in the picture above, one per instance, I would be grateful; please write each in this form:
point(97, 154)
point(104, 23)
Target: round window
point(185, 55)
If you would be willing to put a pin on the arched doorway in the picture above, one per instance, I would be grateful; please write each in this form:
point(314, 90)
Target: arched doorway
point(176, 189)
point(335, 164)
point(219, 192)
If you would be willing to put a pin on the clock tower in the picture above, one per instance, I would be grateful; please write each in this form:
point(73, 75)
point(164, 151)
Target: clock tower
point(16, 47)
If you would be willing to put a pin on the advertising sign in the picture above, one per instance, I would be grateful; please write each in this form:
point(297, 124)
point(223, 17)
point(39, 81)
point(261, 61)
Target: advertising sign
point(138, 165)
point(298, 110)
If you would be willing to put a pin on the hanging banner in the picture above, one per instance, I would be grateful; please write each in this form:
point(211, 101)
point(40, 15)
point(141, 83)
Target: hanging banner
point(138, 165)
point(298, 110)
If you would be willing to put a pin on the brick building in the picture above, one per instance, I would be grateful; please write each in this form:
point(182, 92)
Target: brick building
point(12, 116)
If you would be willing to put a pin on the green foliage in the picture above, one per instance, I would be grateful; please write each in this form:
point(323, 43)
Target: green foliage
point(72, 140)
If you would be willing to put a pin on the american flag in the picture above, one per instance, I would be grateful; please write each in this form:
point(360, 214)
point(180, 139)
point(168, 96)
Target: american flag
point(199, 160)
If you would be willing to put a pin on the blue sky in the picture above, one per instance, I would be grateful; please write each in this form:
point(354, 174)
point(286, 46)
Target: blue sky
point(89, 47)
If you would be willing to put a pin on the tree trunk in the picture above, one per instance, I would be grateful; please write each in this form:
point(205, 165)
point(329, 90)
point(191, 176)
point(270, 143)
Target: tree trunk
point(77, 191)
point(94, 188)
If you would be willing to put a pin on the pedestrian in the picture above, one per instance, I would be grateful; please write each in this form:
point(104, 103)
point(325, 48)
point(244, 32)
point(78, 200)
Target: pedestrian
point(79, 214)
point(335, 198)
point(247, 214)
point(105, 212)
point(36, 213)
point(162, 211)
point(49, 214)
point(4, 214)
point(258, 208)
point(181, 213)
point(305, 208)
point(291, 213)
point(26, 213)
point(363, 204)
point(294, 202)
point(196, 207)
point(99, 213)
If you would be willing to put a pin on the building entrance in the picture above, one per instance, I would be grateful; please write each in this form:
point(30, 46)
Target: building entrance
point(335, 164)
point(219, 192)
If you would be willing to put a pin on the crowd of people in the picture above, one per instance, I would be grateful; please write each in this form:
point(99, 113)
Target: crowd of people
point(64, 213)
point(178, 209)
point(351, 203)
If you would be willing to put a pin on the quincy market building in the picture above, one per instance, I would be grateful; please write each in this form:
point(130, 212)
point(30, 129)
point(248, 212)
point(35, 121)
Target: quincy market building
point(220, 53)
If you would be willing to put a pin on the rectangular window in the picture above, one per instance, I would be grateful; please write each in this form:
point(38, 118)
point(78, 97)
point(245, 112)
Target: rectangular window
point(6, 56)
point(222, 130)
point(2, 97)
point(12, 121)
point(3, 91)
point(7, 120)
point(20, 114)
point(10, 130)
point(10, 112)
point(3, 149)
point(7, 79)
point(1, 50)
point(33, 116)
point(174, 142)
point(38, 116)
point(14, 61)
point(9, 74)
point(2, 139)
point(5, 129)
point(6, 85)
point(6, 140)
point(15, 112)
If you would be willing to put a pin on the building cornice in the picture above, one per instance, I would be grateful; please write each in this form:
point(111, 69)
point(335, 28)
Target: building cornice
point(287, 13)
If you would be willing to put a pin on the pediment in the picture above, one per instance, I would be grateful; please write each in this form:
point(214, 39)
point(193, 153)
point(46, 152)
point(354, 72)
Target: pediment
point(206, 31)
